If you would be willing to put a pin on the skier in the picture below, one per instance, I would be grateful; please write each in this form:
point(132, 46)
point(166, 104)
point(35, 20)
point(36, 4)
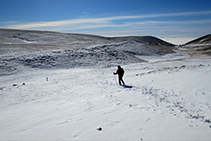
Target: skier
point(120, 71)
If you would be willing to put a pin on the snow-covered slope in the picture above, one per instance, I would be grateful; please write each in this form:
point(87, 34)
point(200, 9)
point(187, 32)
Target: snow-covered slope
point(161, 101)
point(200, 45)
point(41, 49)
point(56, 86)
point(203, 40)
point(9, 36)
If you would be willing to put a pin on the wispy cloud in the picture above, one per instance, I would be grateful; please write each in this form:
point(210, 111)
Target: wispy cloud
point(9, 22)
point(187, 22)
point(103, 22)
point(57, 23)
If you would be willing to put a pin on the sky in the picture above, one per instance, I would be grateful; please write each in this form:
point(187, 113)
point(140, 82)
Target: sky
point(175, 21)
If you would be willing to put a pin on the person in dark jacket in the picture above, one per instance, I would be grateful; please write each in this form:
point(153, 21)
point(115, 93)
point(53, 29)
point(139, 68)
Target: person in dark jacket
point(120, 71)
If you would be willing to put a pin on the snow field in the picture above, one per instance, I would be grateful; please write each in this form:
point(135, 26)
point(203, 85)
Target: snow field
point(162, 101)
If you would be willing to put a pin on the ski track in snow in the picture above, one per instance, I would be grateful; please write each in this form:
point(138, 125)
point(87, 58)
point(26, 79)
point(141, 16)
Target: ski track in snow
point(71, 104)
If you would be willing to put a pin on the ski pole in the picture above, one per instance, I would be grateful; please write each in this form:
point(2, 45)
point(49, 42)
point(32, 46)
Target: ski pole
point(115, 79)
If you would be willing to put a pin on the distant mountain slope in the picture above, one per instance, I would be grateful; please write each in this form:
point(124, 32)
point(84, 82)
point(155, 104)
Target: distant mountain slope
point(202, 40)
point(45, 37)
point(44, 40)
point(52, 50)
point(145, 39)
point(200, 45)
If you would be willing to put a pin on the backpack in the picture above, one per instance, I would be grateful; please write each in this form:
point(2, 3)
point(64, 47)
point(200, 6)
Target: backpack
point(121, 71)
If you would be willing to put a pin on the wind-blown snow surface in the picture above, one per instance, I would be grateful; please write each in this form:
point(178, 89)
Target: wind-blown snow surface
point(167, 100)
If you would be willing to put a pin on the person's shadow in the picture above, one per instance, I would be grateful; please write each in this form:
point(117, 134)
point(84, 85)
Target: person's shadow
point(126, 86)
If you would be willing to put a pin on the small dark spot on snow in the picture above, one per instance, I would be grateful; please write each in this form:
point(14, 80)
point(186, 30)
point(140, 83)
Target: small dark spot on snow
point(207, 120)
point(99, 129)
point(201, 65)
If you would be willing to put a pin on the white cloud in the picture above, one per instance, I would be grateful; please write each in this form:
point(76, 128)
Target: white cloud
point(104, 22)
point(57, 23)
point(8, 22)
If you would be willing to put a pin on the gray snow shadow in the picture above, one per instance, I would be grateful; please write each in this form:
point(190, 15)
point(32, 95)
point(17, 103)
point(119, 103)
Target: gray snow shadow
point(126, 86)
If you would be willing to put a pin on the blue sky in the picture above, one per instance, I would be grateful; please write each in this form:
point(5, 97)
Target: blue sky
point(176, 21)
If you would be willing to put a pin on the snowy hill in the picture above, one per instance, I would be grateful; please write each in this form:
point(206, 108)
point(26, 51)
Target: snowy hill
point(9, 36)
point(40, 49)
point(203, 40)
point(56, 86)
point(200, 45)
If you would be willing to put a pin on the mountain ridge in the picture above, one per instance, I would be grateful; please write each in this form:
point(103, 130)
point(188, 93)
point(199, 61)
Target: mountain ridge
point(35, 35)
